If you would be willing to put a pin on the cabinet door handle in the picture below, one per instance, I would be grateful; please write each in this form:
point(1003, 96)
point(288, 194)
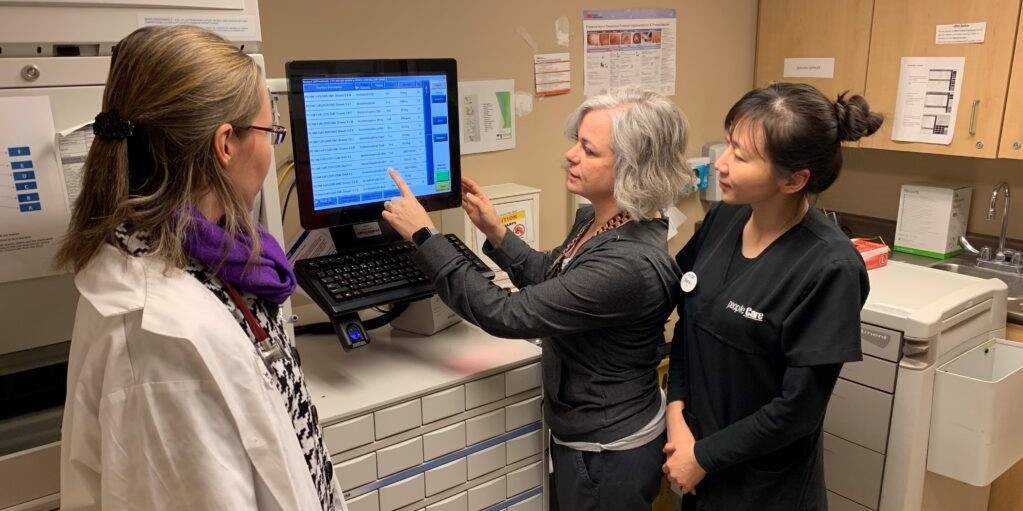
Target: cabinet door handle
point(973, 117)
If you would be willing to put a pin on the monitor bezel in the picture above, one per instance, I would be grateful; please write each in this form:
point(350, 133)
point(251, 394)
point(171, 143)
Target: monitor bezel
point(296, 71)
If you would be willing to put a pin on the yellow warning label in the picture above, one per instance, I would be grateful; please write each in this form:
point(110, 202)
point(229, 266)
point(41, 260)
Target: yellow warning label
point(513, 217)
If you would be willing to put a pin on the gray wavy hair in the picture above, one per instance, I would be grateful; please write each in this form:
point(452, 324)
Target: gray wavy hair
point(648, 137)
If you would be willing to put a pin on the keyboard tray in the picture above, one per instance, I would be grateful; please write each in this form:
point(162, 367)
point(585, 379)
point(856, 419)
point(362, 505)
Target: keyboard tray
point(356, 279)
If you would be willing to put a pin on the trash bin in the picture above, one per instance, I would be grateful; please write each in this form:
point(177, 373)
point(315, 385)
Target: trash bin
point(976, 412)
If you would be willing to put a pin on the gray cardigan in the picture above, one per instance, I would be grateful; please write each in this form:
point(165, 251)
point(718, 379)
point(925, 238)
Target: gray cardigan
point(601, 319)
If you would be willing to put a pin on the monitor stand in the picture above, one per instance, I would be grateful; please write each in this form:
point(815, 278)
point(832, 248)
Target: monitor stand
point(350, 330)
point(365, 234)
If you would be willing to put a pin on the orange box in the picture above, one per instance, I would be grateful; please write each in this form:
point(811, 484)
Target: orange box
point(875, 254)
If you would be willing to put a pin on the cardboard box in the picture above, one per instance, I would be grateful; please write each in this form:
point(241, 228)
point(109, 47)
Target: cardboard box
point(931, 219)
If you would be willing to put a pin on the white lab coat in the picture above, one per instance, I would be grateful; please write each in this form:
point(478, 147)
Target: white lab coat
point(168, 405)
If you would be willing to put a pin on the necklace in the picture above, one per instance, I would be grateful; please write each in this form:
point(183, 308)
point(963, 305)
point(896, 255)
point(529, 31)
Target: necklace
point(614, 222)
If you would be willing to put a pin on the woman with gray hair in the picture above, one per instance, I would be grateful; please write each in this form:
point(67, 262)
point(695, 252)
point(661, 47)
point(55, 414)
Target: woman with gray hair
point(599, 301)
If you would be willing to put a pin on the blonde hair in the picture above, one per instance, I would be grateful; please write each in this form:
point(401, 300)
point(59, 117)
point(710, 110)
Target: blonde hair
point(177, 85)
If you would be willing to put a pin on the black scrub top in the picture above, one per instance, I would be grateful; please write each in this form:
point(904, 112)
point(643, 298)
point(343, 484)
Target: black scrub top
point(756, 354)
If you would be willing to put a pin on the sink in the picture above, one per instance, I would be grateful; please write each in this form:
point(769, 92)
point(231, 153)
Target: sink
point(1013, 280)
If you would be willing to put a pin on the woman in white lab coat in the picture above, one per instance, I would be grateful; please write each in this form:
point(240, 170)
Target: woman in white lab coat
point(183, 389)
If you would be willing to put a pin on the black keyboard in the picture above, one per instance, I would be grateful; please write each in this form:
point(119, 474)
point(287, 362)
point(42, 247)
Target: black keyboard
point(365, 277)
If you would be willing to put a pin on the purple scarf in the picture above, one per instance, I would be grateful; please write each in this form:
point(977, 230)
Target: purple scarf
point(270, 277)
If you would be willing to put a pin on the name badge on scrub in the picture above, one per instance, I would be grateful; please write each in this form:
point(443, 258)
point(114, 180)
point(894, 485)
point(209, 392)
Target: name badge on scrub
point(688, 282)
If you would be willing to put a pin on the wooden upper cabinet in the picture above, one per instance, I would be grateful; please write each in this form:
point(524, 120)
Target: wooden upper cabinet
point(838, 29)
point(1011, 145)
point(906, 28)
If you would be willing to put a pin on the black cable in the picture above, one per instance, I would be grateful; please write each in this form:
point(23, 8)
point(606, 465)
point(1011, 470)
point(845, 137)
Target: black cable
point(370, 324)
point(314, 329)
point(287, 199)
point(385, 318)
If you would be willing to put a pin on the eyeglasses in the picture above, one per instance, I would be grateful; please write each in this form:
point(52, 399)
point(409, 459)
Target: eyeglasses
point(277, 132)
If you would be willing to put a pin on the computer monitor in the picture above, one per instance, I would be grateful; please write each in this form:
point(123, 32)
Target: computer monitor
point(353, 119)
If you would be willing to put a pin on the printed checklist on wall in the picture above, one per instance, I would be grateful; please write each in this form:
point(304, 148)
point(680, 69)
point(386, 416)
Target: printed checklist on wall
point(34, 204)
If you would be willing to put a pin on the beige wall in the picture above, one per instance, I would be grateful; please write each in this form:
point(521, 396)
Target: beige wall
point(715, 67)
point(871, 180)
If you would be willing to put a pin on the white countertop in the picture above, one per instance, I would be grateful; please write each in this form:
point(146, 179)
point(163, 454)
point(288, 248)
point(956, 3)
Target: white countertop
point(397, 366)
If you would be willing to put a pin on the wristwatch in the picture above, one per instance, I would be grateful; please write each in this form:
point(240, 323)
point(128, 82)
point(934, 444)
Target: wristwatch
point(419, 237)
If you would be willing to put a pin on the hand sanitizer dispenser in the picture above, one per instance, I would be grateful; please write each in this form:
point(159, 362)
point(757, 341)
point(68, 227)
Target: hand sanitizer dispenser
point(713, 151)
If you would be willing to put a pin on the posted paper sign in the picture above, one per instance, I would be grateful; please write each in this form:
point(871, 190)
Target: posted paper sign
point(487, 116)
point(960, 33)
point(553, 74)
point(34, 211)
point(809, 68)
point(629, 47)
point(928, 100)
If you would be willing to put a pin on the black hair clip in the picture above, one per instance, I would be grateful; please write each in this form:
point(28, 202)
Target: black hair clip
point(111, 126)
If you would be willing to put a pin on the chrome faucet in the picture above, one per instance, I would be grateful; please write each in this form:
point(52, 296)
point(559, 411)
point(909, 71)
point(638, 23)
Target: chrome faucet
point(1000, 254)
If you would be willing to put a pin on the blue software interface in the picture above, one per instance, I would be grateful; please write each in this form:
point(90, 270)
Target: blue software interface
point(359, 127)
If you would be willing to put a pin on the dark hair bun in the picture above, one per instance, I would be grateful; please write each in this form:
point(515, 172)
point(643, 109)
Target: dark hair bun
point(855, 120)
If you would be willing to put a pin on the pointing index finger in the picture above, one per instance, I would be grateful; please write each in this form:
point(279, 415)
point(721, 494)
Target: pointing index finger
point(402, 186)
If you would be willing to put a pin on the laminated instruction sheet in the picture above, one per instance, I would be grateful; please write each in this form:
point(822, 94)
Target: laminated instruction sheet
point(928, 100)
point(34, 206)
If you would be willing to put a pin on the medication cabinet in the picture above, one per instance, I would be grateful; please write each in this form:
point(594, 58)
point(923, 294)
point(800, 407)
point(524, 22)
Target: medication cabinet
point(448, 422)
point(877, 431)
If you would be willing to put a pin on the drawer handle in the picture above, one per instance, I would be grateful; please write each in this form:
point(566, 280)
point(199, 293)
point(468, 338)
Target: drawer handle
point(973, 117)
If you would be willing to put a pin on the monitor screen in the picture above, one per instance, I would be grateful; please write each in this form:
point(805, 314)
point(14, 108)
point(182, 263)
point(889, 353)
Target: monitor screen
point(353, 119)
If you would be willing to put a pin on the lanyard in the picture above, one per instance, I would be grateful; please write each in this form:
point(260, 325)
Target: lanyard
point(268, 350)
point(560, 261)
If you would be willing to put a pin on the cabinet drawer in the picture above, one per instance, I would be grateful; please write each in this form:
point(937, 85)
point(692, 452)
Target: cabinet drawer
point(880, 342)
point(367, 502)
point(357, 472)
point(440, 442)
point(489, 425)
point(525, 478)
point(30, 474)
point(445, 476)
point(522, 379)
point(522, 413)
point(399, 457)
point(481, 392)
point(534, 503)
point(486, 494)
point(522, 447)
point(349, 434)
point(402, 493)
point(872, 372)
point(859, 414)
point(398, 418)
point(459, 502)
point(443, 404)
point(486, 461)
point(837, 502)
point(852, 471)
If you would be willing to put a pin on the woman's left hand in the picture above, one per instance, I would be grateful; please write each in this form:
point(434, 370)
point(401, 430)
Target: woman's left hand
point(682, 468)
point(405, 214)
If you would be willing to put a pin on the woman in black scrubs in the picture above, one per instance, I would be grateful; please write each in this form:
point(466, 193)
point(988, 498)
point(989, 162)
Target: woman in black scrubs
point(770, 309)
